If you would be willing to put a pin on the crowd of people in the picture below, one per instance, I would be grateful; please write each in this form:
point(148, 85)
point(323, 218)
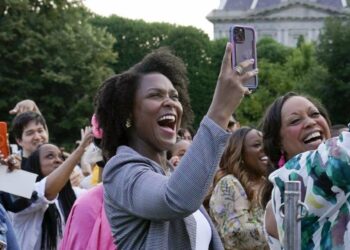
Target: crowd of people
point(142, 178)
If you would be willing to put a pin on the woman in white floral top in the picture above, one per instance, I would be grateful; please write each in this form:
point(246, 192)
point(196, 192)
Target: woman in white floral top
point(296, 129)
point(234, 202)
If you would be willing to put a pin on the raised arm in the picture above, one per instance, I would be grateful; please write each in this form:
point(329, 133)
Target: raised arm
point(229, 90)
point(58, 178)
point(147, 193)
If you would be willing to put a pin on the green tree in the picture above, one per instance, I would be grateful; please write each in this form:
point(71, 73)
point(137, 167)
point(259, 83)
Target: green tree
point(273, 81)
point(282, 69)
point(193, 46)
point(136, 38)
point(333, 52)
point(52, 54)
point(272, 51)
point(62, 54)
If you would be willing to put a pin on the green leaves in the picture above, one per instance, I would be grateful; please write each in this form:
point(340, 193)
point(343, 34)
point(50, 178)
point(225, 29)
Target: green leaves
point(58, 53)
point(333, 52)
point(52, 54)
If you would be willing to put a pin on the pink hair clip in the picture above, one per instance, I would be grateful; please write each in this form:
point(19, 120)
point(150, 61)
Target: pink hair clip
point(96, 130)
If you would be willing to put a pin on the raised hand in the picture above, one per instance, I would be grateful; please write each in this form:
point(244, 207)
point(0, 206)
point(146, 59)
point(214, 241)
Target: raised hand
point(24, 106)
point(86, 137)
point(229, 89)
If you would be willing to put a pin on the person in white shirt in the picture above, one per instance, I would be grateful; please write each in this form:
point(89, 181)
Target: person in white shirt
point(40, 226)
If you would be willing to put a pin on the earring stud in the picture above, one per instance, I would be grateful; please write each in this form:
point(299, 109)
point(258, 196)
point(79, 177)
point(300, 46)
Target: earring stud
point(128, 123)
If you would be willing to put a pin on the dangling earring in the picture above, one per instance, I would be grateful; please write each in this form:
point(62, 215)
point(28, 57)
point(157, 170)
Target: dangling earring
point(282, 160)
point(241, 163)
point(128, 123)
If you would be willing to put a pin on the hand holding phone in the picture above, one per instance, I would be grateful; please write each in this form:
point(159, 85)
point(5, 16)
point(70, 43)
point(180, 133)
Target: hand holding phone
point(243, 39)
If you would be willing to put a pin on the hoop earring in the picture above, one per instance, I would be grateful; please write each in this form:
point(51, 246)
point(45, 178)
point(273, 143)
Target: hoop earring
point(241, 162)
point(128, 123)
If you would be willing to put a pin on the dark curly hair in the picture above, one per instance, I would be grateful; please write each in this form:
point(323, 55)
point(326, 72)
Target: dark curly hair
point(115, 98)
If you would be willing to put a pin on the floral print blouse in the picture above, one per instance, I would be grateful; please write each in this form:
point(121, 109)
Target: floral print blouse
point(239, 227)
point(325, 187)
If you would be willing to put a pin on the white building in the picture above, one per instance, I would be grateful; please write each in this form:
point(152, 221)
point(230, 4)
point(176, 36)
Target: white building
point(283, 20)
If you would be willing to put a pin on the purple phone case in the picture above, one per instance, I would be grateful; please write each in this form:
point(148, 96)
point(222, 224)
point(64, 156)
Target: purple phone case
point(245, 50)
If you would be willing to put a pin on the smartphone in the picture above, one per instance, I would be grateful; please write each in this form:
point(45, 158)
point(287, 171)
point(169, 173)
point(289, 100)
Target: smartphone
point(4, 143)
point(243, 39)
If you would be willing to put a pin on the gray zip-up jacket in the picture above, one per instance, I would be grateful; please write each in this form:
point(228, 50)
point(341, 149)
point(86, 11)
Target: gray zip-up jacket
point(148, 210)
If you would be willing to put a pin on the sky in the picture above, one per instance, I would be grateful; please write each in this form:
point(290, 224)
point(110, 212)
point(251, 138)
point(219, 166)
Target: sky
point(181, 12)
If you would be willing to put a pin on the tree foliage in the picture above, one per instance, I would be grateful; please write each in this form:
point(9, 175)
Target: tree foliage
point(333, 52)
point(57, 53)
point(52, 54)
point(268, 49)
point(136, 38)
point(281, 69)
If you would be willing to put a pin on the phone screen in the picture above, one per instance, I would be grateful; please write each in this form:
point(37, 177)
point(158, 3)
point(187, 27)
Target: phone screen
point(243, 39)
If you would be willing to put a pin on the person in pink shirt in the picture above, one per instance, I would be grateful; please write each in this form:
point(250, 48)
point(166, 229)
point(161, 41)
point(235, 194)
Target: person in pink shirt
point(87, 227)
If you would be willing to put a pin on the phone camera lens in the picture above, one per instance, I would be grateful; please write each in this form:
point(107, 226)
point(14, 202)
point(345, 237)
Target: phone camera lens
point(239, 34)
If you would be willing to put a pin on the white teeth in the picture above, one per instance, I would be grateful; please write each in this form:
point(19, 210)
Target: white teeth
point(171, 118)
point(313, 135)
point(264, 158)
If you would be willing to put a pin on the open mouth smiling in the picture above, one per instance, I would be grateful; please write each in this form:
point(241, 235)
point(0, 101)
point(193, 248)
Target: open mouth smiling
point(264, 159)
point(168, 121)
point(314, 136)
